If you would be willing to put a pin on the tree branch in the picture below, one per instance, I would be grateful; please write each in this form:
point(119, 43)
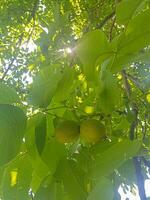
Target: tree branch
point(105, 20)
point(133, 105)
point(20, 40)
point(140, 178)
point(135, 81)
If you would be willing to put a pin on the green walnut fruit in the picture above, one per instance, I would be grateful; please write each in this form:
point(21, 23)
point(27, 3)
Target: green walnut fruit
point(92, 131)
point(67, 131)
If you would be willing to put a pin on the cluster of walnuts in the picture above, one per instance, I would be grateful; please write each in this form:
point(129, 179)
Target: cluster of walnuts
point(90, 131)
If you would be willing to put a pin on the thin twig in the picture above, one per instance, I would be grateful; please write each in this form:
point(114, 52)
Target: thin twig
point(133, 105)
point(105, 20)
point(135, 81)
point(126, 83)
point(111, 28)
point(8, 68)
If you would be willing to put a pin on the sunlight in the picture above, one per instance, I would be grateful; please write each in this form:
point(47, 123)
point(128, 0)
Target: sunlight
point(68, 50)
point(30, 46)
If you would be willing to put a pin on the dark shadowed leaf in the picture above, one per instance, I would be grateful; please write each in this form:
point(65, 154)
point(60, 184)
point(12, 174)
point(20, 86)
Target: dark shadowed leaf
point(12, 129)
point(40, 134)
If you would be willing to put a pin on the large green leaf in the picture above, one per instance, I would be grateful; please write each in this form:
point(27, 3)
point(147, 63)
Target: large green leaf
point(8, 95)
point(44, 86)
point(125, 46)
point(40, 169)
point(126, 9)
point(137, 34)
point(109, 160)
point(52, 154)
point(72, 180)
point(109, 95)
point(90, 47)
point(17, 178)
point(65, 85)
point(102, 190)
point(127, 172)
point(53, 191)
point(12, 129)
point(40, 172)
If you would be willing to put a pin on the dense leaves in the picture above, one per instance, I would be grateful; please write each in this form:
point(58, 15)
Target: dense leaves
point(77, 61)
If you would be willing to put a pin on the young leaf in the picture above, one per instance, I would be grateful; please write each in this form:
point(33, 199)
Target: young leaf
point(12, 129)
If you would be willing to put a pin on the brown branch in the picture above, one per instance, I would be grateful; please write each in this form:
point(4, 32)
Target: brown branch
point(8, 68)
point(126, 83)
point(133, 105)
point(135, 81)
point(111, 28)
point(105, 20)
point(139, 177)
point(35, 6)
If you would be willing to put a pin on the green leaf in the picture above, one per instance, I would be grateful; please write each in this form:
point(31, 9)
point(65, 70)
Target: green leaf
point(114, 157)
point(127, 45)
point(102, 190)
point(73, 184)
point(52, 154)
point(40, 172)
point(40, 169)
point(40, 134)
point(52, 191)
point(65, 85)
point(126, 9)
point(137, 34)
point(8, 95)
point(90, 47)
point(17, 178)
point(110, 94)
point(127, 172)
point(12, 129)
point(44, 86)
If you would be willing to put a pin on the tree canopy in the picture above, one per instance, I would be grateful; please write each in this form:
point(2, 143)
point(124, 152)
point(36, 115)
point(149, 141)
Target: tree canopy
point(74, 99)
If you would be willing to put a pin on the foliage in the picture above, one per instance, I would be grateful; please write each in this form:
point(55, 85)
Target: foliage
point(78, 61)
